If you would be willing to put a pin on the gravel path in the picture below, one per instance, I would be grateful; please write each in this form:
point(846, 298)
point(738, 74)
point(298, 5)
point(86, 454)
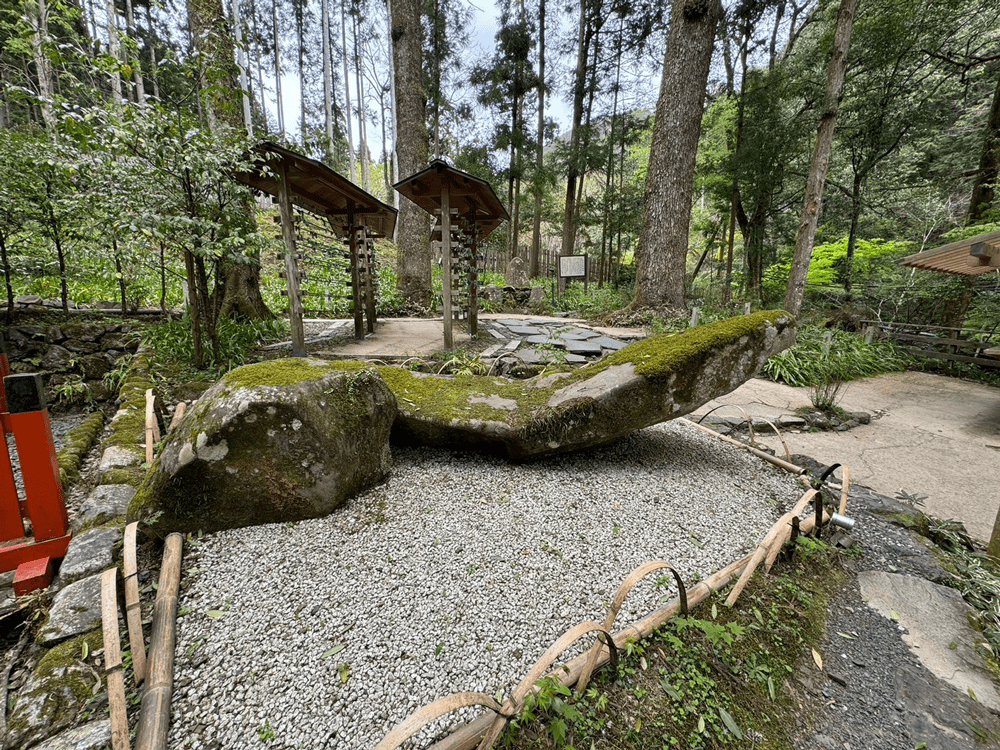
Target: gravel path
point(455, 575)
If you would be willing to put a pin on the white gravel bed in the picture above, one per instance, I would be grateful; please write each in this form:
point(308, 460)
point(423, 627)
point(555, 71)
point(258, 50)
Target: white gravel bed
point(455, 575)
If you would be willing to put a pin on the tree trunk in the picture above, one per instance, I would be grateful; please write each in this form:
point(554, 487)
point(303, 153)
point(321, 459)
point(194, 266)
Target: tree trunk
point(413, 262)
point(241, 63)
point(327, 81)
point(241, 295)
point(573, 171)
point(277, 76)
point(38, 42)
point(6, 281)
point(663, 243)
point(813, 203)
point(347, 94)
point(300, 33)
point(140, 92)
point(852, 234)
point(192, 286)
point(116, 78)
point(983, 190)
point(366, 182)
point(537, 190)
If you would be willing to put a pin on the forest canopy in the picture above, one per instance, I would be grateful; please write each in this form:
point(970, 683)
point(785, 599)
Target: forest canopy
point(122, 124)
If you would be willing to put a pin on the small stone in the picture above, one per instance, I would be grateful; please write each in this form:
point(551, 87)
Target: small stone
point(106, 502)
point(75, 610)
point(116, 457)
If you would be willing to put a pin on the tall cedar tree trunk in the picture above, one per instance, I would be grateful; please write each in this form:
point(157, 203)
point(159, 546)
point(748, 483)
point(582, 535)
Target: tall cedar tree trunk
point(140, 91)
point(536, 230)
point(413, 262)
point(983, 190)
point(347, 93)
point(241, 297)
point(663, 243)
point(821, 160)
point(573, 172)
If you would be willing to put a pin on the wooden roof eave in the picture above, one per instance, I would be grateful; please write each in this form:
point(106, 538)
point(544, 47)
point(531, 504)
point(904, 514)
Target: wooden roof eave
point(956, 257)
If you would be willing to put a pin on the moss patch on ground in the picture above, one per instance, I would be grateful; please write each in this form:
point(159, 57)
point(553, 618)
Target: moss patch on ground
point(715, 678)
point(77, 442)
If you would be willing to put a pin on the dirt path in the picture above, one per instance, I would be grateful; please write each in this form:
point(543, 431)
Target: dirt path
point(930, 435)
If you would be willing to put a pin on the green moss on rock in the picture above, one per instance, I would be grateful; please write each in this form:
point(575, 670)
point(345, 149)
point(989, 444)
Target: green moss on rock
point(77, 442)
point(660, 356)
point(282, 372)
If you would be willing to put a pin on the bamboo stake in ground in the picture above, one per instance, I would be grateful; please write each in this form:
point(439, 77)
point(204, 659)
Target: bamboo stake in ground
point(154, 714)
point(113, 660)
point(133, 611)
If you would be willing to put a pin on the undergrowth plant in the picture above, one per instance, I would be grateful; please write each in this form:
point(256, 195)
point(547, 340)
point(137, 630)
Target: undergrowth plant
point(822, 355)
point(172, 347)
point(714, 678)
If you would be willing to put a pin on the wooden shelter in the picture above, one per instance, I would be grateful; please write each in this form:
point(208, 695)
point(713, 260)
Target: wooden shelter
point(968, 257)
point(467, 212)
point(352, 213)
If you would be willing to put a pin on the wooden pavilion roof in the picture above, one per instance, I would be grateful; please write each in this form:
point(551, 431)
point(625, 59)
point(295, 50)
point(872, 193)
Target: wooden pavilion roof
point(968, 257)
point(468, 195)
point(317, 188)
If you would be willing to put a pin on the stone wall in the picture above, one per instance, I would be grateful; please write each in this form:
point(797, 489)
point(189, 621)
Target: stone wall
point(73, 358)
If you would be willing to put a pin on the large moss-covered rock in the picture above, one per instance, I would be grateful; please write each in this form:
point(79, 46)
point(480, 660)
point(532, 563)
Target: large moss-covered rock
point(276, 441)
point(651, 381)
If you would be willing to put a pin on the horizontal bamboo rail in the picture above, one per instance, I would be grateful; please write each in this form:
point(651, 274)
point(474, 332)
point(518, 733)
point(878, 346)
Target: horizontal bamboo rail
point(485, 730)
point(786, 465)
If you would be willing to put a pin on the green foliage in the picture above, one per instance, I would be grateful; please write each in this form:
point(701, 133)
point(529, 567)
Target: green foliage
point(172, 346)
point(821, 355)
point(594, 303)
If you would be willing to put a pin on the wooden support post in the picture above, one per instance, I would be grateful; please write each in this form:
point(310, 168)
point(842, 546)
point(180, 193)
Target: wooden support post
point(291, 265)
point(356, 295)
point(473, 276)
point(154, 713)
point(369, 247)
point(43, 492)
point(449, 342)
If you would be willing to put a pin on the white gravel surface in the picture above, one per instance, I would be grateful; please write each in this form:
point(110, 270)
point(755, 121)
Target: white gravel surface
point(455, 575)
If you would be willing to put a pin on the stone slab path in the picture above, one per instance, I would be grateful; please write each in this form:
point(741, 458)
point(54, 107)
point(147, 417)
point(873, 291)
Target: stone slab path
point(929, 435)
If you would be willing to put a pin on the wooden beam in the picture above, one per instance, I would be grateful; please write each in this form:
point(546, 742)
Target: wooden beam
point(291, 266)
point(449, 342)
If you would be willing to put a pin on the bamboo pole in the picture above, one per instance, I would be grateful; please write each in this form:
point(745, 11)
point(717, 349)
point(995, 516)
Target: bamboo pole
point(178, 415)
point(154, 714)
point(786, 465)
point(150, 422)
point(133, 612)
point(113, 660)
